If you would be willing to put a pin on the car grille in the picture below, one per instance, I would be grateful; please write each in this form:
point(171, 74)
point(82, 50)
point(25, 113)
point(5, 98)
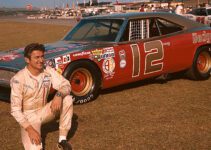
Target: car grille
point(5, 77)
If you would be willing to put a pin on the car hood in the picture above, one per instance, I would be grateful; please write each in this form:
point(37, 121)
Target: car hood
point(14, 60)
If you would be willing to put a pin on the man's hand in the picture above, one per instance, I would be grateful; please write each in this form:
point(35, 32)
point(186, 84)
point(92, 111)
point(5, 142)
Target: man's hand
point(56, 103)
point(33, 135)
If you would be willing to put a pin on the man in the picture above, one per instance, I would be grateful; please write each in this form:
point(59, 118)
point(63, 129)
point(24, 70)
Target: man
point(179, 9)
point(29, 92)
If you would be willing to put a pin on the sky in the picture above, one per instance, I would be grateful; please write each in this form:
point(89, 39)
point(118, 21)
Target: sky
point(46, 3)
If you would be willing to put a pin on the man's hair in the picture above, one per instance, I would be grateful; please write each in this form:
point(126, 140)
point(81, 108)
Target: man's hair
point(32, 47)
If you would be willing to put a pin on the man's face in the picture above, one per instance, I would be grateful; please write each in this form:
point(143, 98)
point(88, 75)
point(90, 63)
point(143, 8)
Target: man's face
point(36, 60)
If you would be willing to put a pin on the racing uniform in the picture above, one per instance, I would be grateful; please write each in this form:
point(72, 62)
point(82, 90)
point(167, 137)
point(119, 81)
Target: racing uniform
point(29, 102)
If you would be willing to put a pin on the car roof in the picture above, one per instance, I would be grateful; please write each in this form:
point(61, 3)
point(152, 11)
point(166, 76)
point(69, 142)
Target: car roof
point(165, 15)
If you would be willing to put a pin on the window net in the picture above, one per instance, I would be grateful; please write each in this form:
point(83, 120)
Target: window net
point(139, 29)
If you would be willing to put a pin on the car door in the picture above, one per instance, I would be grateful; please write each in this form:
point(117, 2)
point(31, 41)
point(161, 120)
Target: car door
point(142, 51)
point(180, 44)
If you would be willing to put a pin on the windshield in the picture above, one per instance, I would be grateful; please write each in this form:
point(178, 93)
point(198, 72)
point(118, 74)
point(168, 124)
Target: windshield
point(104, 30)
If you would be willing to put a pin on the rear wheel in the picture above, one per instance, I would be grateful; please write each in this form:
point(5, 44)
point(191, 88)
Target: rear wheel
point(201, 66)
point(85, 80)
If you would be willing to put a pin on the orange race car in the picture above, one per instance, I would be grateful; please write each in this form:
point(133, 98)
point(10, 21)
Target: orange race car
point(107, 51)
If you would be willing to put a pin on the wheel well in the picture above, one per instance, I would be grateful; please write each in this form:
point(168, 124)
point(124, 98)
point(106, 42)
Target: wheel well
point(200, 47)
point(204, 46)
point(81, 60)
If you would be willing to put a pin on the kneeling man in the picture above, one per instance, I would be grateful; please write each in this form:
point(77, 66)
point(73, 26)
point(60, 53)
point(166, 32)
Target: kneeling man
point(29, 92)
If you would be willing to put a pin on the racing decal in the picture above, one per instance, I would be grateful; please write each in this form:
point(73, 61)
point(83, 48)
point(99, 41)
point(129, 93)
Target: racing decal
point(167, 44)
point(203, 37)
point(66, 59)
point(108, 53)
point(58, 62)
point(96, 54)
point(154, 57)
point(46, 81)
point(104, 53)
point(61, 61)
point(108, 65)
point(9, 57)
point(122, 57)
point(200, 19)
point(81, 54)
point(136, 60)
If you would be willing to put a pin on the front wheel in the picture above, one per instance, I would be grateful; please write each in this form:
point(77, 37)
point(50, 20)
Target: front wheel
point(85, 80)
point(201, 66)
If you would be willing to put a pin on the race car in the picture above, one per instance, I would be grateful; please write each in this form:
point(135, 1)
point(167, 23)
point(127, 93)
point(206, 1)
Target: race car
point(106, 51)
point(202, 15)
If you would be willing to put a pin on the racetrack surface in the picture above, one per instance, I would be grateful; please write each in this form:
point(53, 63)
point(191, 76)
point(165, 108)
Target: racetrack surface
point(148, 115)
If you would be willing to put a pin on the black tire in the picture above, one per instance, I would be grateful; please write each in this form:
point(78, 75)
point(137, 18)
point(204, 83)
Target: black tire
point(201, 66)
point(85, 80)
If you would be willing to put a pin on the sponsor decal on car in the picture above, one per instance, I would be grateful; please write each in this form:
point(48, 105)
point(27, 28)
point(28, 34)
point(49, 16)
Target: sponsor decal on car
point(81, 54)
point(9, 57)
point(61, 61)
point(108, 68)
point(203, 37)
point(108, 53)
point(122, 63)
point(58, 63)
point(108, 65)
point(122, 57)
point(66, 59)
point(96, 54)
point(104, 53)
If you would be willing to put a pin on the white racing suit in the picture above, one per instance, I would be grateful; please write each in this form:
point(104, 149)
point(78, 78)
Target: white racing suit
point(29, 102)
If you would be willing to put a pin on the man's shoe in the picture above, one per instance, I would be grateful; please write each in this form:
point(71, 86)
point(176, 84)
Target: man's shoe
point(64, 145)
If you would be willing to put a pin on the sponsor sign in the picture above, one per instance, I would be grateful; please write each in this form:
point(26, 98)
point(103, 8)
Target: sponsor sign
point(203, 37)
point(122, 56)
point(108, 65)
point(101, 54)
point(81, 54)
point(122, 63)
point(9, 57)
point(46, 81)
point(61, 61)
